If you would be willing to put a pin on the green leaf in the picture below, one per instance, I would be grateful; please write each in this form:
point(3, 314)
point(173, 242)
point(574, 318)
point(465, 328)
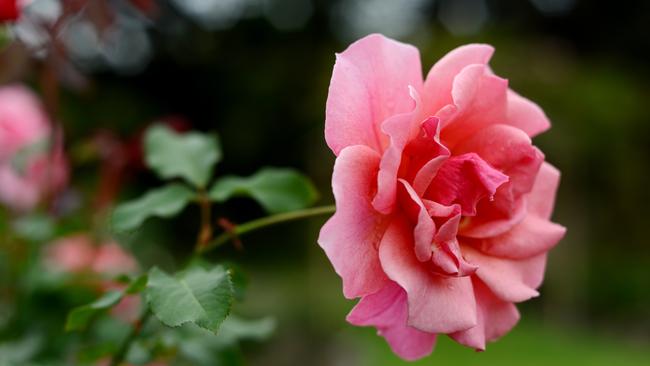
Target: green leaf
point(137, 285)
point(190, 155)
point(164, 202)
point(79, 317)
point(238, 278)
point(196, 295)
point(276, 189)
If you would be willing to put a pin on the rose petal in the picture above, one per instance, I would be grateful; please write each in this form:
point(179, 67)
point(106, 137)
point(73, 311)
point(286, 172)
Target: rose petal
point(534, 234)
point(425, 155)
point(465, 179)
point(447, 257)
point(350, 237)
point(400, 129)
point(509, 150)
point(425, 228)
point(512, 280)
point(495, 318)
point(480, 100)
point(438, 84)
point(531, 237)
point(387, 310)
point(435, 209)
point(436, 304)
point(369, 84)
point(494, 218)
point(526, 115)
point(542, 197)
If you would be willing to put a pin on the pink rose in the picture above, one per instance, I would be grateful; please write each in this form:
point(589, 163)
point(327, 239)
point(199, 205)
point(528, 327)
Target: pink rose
point(112, 260)
point(77, 254)
point(25, 129)
point(72, 254)
point(443, 203)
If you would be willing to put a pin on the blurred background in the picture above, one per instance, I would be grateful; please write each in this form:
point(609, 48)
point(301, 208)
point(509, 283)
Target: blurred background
point(257, 72)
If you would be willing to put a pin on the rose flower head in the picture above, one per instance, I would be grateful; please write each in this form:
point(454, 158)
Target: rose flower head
point(442, 202)
point(98, 264)
point(30, 166)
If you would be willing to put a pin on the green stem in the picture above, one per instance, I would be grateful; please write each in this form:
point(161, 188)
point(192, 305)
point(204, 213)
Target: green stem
point(264, 222)
point(218, 241)
point(121, 353)
point(205, 231)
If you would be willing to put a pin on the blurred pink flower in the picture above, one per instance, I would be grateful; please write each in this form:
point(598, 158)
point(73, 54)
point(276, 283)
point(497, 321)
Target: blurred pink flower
point(443, 203)
point(78, 255)
point(72, 254)
point(25, 130)
point(22, 120)
point(112, 260)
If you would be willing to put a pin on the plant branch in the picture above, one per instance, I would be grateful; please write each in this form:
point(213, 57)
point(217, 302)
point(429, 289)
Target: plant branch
point(264, 222)
point(205, 231)
point(218, 241)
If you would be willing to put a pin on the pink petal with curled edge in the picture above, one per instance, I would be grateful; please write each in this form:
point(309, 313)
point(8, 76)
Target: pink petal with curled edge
point(369, 84)
point(526, 115)
point(425, 228)
point(437, 210)
point(438, 84)
point(513, 280)
point(436, 304)
point(400, 129)
point(535, 234)
point(495, 217)
point(426, 174)
point(350, 237)
point(531, 237)
point(465, 179)
point(387, 310)
point(480, 100)
point(495, 318)
point(509, 150)
point(447, 257)
point(425, 155)
point(542, 197)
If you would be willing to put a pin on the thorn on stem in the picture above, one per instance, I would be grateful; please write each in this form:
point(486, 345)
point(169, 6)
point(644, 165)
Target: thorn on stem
point(230, 227)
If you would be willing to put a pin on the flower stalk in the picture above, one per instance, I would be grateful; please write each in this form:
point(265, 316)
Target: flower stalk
point(264, 222)
point(205, 231)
